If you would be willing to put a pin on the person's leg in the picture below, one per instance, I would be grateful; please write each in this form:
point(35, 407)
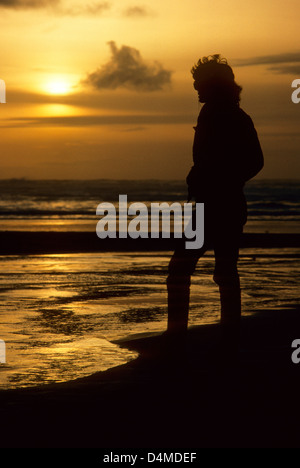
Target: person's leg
point(226, 246)
point(182, 265)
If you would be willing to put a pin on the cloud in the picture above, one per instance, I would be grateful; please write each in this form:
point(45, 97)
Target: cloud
point(136, 11)
point(96, 120)
point(82, 9)
point(89, 9)
point(269, 59)
point(23, 4)
point(288, 63)
point(127, 69)
point(286, 69)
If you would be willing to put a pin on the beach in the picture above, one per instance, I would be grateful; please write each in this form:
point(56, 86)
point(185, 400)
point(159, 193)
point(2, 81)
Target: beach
point(157, 403)
point(90, 385)
point(63, 307)
point(83, 320)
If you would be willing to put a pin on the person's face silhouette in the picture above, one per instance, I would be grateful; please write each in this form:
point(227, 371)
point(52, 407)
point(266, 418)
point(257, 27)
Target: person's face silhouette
point(201, 89)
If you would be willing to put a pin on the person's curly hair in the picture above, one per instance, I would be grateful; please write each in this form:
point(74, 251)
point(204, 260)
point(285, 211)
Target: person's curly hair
point(217, 76)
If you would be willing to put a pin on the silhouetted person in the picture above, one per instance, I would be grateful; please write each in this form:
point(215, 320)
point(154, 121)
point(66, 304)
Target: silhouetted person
point(226, 153)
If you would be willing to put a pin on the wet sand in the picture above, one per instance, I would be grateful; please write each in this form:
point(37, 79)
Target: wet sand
point(187, 402)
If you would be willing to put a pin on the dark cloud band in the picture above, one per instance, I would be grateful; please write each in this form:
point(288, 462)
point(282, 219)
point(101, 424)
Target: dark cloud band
point(96, 120)
point(83, 9)
point(15, 4)
point(288, 63)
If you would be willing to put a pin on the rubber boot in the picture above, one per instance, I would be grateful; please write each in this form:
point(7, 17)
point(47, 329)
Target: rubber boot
point(175, 338)
point(230, 297)
point(178, 304)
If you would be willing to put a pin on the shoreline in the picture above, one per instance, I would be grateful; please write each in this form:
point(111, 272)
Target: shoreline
point(43, 242)
point(154, 403)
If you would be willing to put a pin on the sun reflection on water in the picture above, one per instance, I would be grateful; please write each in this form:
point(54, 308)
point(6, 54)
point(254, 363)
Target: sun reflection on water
point(59, 314)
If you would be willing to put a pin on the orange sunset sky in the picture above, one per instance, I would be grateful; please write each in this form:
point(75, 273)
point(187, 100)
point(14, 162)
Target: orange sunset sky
point(102, 89)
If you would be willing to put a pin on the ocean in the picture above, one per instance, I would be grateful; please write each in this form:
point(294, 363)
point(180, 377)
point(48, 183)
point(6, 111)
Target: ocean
point(60, 205)
point(60, 314)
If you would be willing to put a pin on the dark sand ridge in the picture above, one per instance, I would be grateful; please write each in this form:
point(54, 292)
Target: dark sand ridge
point(46, 242)
point(43, 242)
point(189, 402)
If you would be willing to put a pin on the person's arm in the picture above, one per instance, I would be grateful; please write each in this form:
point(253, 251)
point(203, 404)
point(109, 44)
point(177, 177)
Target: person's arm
point(253, 160)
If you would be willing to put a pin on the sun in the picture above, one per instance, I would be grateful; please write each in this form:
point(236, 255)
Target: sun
point(58, 86)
